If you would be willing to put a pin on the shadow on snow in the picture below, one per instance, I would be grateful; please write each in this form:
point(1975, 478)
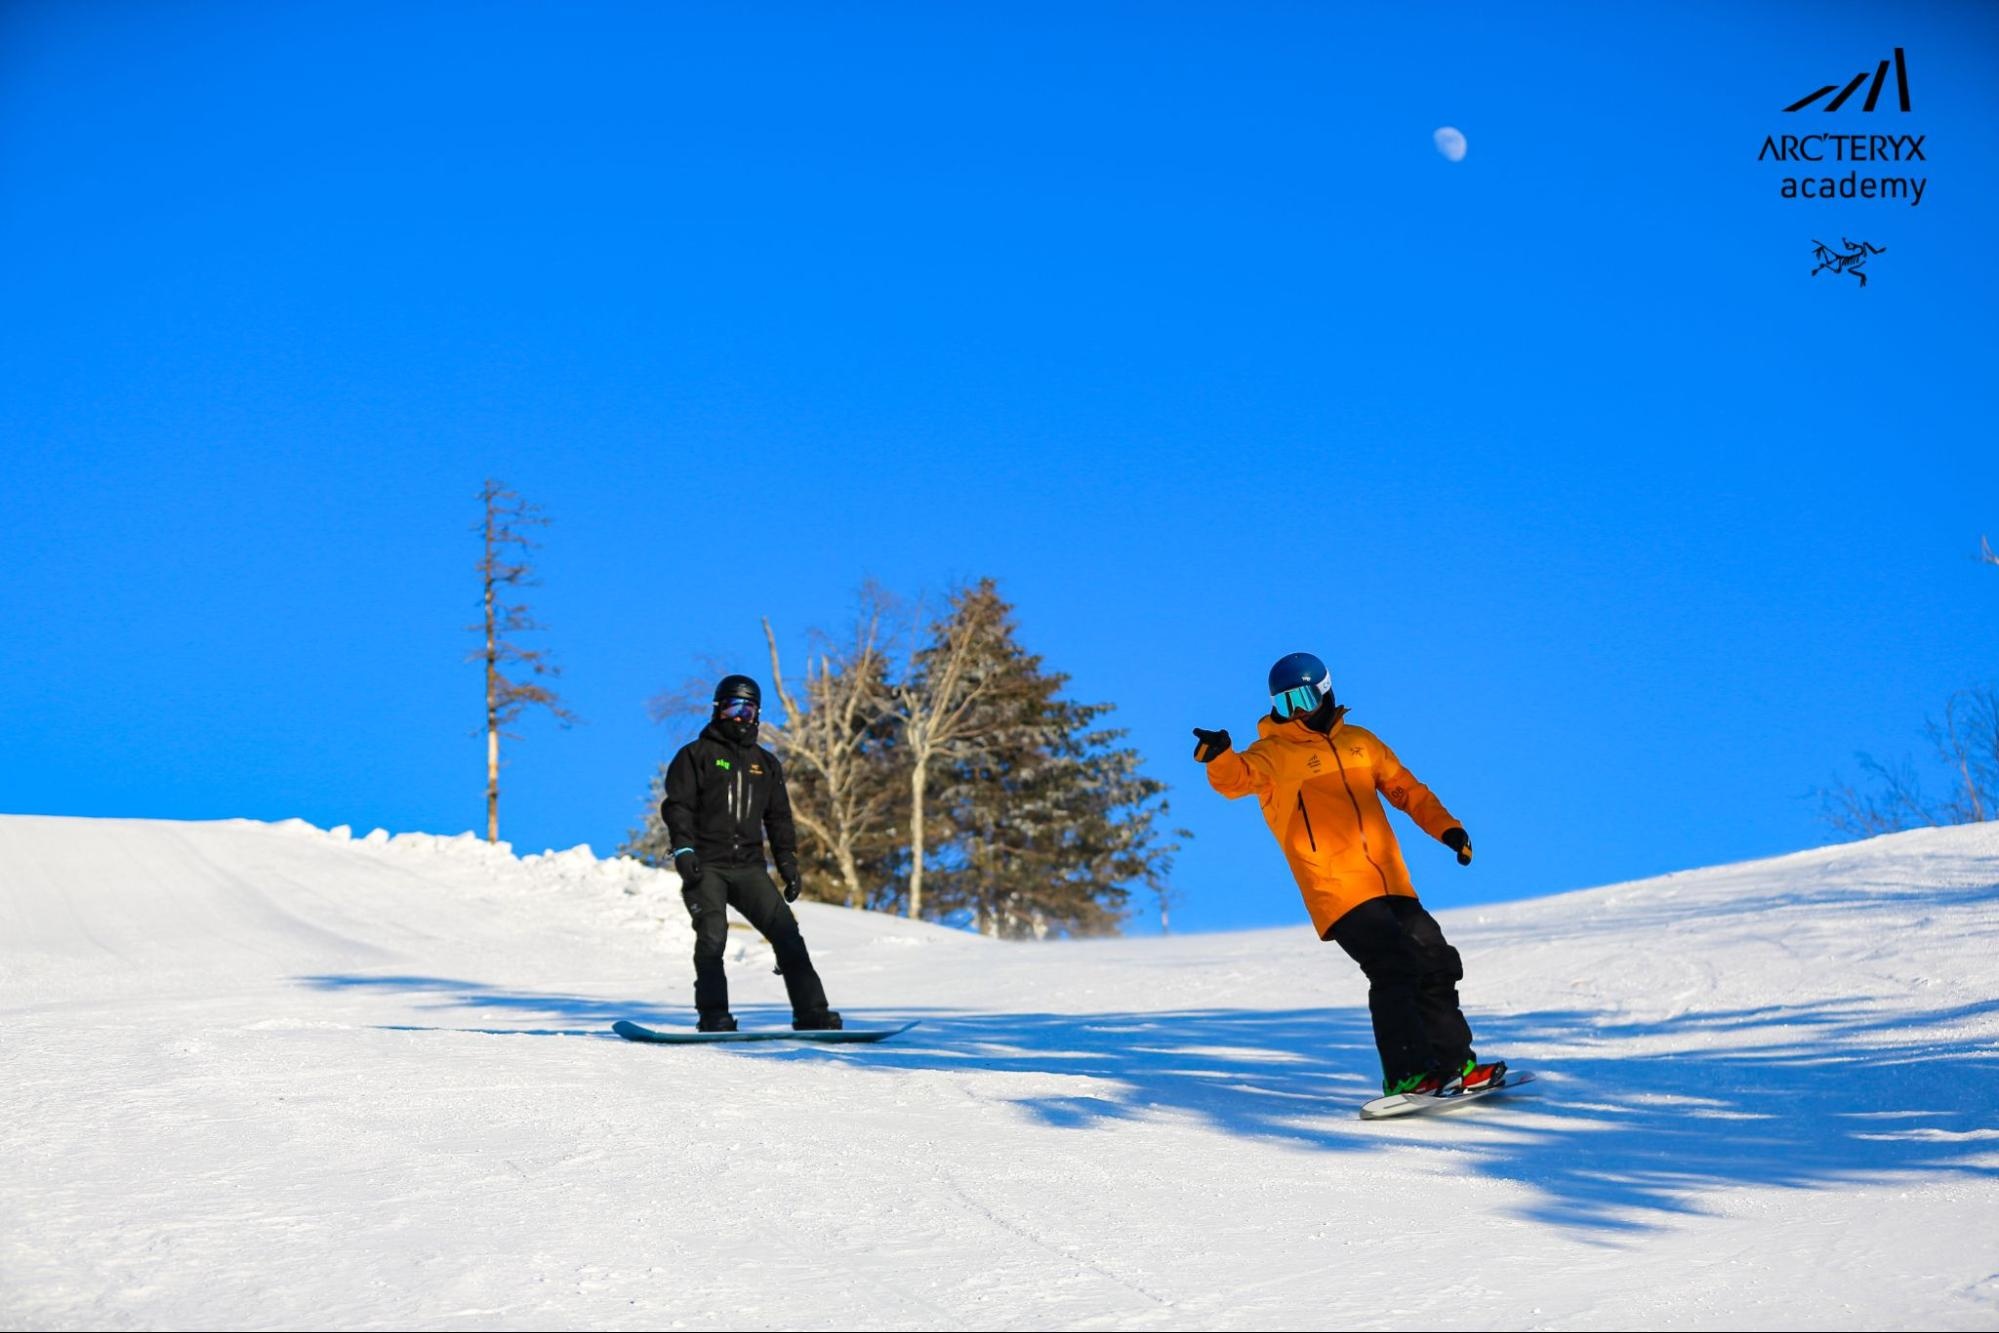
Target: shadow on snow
point(1808, 1096)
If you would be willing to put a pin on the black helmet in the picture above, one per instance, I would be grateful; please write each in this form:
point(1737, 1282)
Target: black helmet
point(738, 687)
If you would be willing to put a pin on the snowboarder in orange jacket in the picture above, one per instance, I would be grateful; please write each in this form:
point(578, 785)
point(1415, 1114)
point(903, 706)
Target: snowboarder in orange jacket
point(1320, 783)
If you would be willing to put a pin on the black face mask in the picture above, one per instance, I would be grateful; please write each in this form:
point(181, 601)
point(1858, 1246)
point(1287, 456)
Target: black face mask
point(1324, 716)
point(742, 733)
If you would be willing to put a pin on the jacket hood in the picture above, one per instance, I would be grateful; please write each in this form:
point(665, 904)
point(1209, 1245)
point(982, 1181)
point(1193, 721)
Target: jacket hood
point(716, 731)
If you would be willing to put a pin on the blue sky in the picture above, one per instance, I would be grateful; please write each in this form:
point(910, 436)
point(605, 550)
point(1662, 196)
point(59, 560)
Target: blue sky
point(1622, 528)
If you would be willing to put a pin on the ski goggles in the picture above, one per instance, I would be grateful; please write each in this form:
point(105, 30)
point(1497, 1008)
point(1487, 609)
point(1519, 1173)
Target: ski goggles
point(738, 710)
point(1299, 700)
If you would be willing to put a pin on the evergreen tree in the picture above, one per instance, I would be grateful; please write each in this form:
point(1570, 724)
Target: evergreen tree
point(1047, 821)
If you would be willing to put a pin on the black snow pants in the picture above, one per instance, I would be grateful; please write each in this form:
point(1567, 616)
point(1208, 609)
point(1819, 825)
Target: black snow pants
point(1412, 993)
point(747, 889)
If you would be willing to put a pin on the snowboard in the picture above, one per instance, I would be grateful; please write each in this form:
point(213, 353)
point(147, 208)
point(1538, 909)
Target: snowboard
point(1381, 1108)
point(631, 1031)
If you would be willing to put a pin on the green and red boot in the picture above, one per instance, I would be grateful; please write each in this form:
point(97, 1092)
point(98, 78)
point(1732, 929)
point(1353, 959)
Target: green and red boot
point(1478, 1077)
point(1432, 1084)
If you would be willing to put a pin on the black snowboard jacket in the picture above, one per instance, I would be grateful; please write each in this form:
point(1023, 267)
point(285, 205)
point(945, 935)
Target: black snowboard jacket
point(723, 797)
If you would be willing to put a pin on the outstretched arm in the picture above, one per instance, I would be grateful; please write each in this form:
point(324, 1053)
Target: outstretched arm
point(1410, 796)
point(1230, 773)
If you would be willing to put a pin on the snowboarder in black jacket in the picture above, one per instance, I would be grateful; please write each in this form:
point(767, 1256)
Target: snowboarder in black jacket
point(724, 794)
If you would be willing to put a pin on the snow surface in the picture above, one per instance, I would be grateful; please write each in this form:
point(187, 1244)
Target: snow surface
point(272, 1076)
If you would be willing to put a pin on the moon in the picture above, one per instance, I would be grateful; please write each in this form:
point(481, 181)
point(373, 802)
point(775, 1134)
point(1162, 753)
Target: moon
point(1450, 143)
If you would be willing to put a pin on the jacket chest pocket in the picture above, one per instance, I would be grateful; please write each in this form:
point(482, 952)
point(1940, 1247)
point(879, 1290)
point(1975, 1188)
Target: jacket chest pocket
point(1322, 819)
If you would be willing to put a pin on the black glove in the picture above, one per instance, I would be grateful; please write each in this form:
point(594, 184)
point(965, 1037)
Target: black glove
point(1211, 745)
point(1460, 842)
point(689, 866)
point(793, 886)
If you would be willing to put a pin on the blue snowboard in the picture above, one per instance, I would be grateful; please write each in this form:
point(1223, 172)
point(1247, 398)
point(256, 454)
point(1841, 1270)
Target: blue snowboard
point(633, 1032)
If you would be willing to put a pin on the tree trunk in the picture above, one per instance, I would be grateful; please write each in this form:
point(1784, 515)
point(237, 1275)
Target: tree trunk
point(492, 698)
point(985, 889)
point(918, 776)
point(492, 780)
point(1960, 754)
point(850, 871)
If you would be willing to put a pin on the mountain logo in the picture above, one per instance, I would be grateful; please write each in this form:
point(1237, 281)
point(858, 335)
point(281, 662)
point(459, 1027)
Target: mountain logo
point(1873, 93)
point(1849, 260)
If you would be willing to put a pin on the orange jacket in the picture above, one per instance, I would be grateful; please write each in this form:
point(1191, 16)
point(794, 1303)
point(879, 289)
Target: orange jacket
point(1321, 796)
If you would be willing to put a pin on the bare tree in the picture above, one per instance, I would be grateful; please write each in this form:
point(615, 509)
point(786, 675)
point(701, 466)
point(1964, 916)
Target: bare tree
point(503, 567)
point(1965, 744)
point(694, 697)
point(836, 745)
point(1892, 802)
point(936, 704)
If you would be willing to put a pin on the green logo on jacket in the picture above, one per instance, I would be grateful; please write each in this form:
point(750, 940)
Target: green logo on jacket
point(721, 763)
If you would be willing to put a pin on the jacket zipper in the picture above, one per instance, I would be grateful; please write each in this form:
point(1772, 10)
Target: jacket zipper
point(737, 800)
point(1359, 827)
point(742, 804)
point(1308, 821)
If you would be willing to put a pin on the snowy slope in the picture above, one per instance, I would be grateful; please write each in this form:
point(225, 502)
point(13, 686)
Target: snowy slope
point(270, 1076)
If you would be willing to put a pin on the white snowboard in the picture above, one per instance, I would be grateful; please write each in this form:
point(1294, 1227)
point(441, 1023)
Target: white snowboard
point(1403, 1103)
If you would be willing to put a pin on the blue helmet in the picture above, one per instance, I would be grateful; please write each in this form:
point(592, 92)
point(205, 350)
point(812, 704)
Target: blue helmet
point(1298, 685)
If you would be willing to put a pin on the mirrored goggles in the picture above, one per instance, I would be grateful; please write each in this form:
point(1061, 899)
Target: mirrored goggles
point(738, 710)
point(1297, 701)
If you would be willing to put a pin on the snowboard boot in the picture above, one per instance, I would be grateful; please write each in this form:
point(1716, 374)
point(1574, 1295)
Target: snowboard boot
point(823, 1020)
point(1431, 1084)
point(716, 1022)
point(1478, 1077)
